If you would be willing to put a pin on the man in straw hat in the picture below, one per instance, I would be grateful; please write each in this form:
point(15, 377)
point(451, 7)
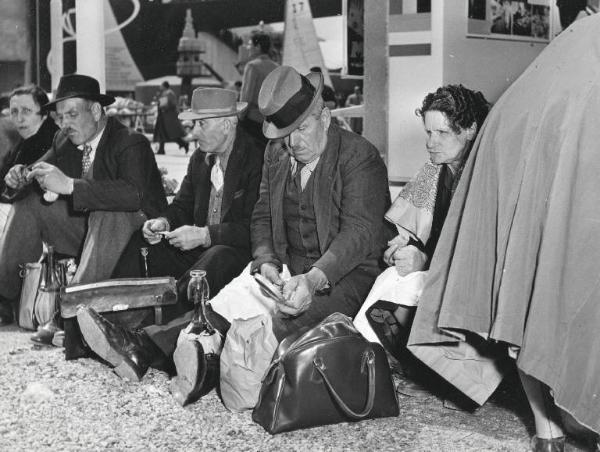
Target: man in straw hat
point(107, 183)
point(317, 229)
point(206, 227)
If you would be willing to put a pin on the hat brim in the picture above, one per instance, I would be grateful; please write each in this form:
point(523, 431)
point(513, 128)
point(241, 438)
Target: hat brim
point(102, 99)
point(271, 131)
point(191, 115)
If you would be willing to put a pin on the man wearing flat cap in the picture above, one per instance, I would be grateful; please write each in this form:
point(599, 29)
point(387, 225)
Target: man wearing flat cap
point(206, 227)
point(101, 182)
point(317, 230)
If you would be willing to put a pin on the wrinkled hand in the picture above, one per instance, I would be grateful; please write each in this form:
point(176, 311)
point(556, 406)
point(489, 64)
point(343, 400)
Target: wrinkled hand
point(297, 295)
point(397, 243)
point(152, 227)
point(188, 237)
point(16, 178)
point(409, 259)
point(270, 272)
point(51, 178)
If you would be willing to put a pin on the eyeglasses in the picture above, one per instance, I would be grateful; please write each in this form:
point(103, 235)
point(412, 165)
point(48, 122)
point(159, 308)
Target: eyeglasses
point(24, 112)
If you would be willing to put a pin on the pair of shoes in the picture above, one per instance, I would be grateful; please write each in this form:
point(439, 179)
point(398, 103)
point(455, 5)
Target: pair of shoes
point(548, 445)
point(197, 372)
point(6, 312)
point(45, 333)
point(129, 352)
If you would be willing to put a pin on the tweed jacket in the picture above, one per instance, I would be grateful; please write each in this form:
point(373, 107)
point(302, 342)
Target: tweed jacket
point(125, 174)
point(351, 195)
point(240, 192)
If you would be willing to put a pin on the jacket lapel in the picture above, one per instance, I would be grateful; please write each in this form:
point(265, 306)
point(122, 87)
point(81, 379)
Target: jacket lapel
point(203, 191)
point(323, 183)
point(232, 174)
point(278, 173)
point(101, 149)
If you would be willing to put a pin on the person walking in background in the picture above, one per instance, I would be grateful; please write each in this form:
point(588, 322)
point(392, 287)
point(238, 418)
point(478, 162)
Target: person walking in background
point(356, 98)
point(255, 72)
point(168, 128)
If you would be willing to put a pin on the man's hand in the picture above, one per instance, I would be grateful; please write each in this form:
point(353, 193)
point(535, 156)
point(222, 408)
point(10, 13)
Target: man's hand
point(396, 244)
point(51, 178)
point(298, 291)
point(189, 237)
point(16, 178)
point(297, 294)
point(270, 272)
point(409, 259)
point(152, 227)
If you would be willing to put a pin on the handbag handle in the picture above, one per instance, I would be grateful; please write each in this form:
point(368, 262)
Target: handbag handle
point(369, 358)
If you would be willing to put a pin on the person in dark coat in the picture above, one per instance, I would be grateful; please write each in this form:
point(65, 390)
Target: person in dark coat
point(35, 127)
point(320, 211)
point(101, 183)
point(168, 128)
point(206, 227)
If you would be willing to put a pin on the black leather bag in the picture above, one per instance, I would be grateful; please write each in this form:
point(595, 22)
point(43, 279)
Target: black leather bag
point(328, 374)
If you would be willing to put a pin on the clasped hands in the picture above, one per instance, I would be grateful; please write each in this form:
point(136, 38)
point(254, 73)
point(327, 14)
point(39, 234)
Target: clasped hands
point(48, 176)
point(297, 292)
point(406, 258)
point(185, 237)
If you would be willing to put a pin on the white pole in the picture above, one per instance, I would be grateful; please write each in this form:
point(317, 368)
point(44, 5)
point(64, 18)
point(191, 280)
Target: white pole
point(89, 16)
point(55, 65)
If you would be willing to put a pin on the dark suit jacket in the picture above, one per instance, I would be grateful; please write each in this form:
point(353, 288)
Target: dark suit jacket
point(125, 175)
point(240, 192)
point(28, 150)
point(351, 195)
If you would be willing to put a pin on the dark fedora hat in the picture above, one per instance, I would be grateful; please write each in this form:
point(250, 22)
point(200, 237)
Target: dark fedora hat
point(286, 98)
point(76, 85)
point(213, 103)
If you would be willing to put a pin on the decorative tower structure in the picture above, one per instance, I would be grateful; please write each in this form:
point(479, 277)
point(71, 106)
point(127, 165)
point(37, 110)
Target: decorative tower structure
point(189, 62)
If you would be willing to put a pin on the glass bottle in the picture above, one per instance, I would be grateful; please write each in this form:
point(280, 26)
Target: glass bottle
point(52, 278)
point(198, 293)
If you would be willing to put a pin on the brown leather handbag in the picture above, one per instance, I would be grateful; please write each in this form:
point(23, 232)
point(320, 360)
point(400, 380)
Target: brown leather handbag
point(326, 375)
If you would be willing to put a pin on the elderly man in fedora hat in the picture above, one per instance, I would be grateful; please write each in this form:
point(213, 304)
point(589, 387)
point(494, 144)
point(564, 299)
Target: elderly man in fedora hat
point(317, 230)
point(206, 227)
point(106, 181)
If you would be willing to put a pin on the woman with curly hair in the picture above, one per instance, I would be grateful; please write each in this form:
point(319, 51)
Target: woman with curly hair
point(451, 116)
point(515, 279)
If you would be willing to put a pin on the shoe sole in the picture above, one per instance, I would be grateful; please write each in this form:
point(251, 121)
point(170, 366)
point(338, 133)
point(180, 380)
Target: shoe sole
point(187, 365)
point(96, 340)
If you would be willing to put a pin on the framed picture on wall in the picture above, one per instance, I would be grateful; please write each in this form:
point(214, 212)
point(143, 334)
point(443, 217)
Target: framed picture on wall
point(509, 19)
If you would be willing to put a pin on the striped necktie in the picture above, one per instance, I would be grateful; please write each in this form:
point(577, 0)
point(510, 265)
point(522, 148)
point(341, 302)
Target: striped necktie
point(86, 161)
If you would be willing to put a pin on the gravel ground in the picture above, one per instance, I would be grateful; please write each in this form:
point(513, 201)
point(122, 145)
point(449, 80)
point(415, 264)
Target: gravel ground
point(47, 403)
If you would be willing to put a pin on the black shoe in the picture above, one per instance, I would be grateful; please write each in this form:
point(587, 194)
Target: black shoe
point(6, 313)
point(197, 372)
point(129, 352)
point(45, 333)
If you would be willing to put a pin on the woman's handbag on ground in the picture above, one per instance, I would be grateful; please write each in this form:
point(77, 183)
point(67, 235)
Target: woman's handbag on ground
point(325, 375)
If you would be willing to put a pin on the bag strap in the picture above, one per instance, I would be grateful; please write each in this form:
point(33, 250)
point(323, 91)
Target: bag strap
point(369, 359)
